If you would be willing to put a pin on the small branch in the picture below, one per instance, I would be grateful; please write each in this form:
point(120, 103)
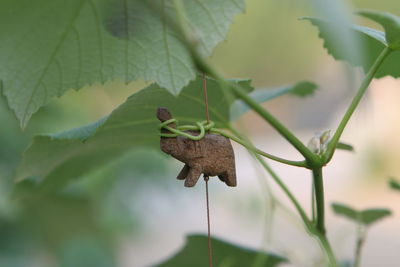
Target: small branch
point(260, 152)
point(324, 243)
point(327, 249)
point(276, 178)
point(353, 105)
point(289, 194)
point(359, 245)
point(319, 199)
point(313, 207)
point(310, 157)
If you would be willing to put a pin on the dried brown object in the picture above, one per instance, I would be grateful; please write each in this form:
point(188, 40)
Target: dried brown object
point(212, 155)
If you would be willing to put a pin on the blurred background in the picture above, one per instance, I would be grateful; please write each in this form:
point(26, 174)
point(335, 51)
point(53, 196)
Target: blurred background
point(132, 212)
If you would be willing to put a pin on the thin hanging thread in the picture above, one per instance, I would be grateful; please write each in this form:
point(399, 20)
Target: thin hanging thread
point(206, 97)
point(206, 178)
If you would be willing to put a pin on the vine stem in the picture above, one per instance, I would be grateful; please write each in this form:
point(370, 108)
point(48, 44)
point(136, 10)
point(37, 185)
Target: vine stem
point(258, 151)
point(326, 248)
point(276, 178)
point(319, 199)
point(285, 132)
point(354, 103)
point(359, 245)
point(313, 208)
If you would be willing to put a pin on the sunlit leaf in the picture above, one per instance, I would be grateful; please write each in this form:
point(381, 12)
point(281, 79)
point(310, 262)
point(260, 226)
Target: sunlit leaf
point(366, 217)
point(68, 155)
point(301, 89)
point(195, 254)
point(50, 46)
point(371, 42)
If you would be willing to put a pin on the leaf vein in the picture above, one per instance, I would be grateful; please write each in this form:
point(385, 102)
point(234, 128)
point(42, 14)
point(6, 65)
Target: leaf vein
point(51, 58)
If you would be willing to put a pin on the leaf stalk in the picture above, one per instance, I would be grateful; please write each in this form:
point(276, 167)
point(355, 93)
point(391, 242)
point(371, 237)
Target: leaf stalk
point(354, 103)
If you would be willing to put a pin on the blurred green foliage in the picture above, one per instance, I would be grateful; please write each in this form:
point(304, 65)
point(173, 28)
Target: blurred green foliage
point(195, 254)
point(81, 224)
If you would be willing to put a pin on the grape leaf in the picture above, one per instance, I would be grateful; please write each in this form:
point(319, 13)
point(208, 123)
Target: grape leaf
point(394, 184)
point(366, 217)
point(50, 46)
point(301, 89)
point(390, 23)
point(195, 254)
point(371, 42)
point(67, 155)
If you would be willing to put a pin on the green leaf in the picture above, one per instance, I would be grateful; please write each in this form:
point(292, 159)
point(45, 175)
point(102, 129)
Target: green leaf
point(390, 23)
point(371, 42)
point(394, 184)
point(346, 211)
point(344, 146)
point(68, 155)
point(370, 216)
point(83, 251)
point(195, 254)
point(301, 89)
point(366, 217)
point(51, 46)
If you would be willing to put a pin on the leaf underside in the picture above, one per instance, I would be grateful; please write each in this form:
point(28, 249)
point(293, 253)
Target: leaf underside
point(57, 158)
point(301, 89)
point(50, 46)
point(195, 254)
point(389, 22)
point(371, 43)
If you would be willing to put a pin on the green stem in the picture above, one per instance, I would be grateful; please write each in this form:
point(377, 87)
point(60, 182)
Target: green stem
point(311, 158)
point(328, 250)
point(276, 178)
point(319, 199)
point(289, 194)
point(313, 208)
point(258, 151)
point(354, 103)
point(359, 245)
point(307, 223)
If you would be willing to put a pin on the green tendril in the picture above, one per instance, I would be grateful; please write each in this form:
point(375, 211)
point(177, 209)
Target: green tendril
point(202, 126)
